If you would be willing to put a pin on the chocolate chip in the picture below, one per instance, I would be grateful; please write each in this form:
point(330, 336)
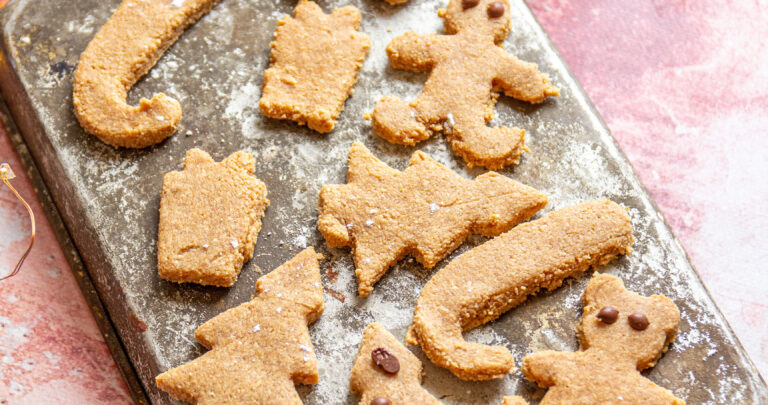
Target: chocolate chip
point(496, 9)
point(465, 4)
point(380, 401)
point(608, 315)
point(386, 360)
point(638, 321)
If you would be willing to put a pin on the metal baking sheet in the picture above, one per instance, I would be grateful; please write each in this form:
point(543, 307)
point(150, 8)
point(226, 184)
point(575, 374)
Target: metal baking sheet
point(109, 198)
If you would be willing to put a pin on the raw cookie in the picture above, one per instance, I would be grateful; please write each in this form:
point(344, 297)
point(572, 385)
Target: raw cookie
point(426, 211)
point(124, 50)
point(480, 285)
point(259, 349)
point(467, 69)
point(315, 60)
point(210, 217)
point(371, 381)
point(614, 349)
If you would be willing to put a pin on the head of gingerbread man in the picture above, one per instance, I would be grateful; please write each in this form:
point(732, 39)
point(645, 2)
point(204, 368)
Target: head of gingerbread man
point(488, 18)
point(631, 327)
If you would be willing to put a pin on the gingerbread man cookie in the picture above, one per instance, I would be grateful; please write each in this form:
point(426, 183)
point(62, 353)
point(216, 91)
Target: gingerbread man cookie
point(386, 373)
point(426, 211)
point(622, 333)
point(315, 60)
point(467, 69)
point(210, 217)
point(123, 51)
point(480, 285)
point(259, 349)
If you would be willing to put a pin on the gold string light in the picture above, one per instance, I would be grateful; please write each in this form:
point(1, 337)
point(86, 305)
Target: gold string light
point(7, 174)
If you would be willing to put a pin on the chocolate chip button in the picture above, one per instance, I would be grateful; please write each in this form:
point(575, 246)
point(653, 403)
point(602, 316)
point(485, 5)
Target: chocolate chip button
point(608, 315)
point(465, 4)
point(496, 9)
point(638, 321)
point(380, 401)
point(386, 360)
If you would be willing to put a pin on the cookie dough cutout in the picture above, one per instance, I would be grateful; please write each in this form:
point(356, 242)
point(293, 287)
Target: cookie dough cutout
point(426, 211)
point(260, 349)
point(210, 218)
point(315, 60)
point(483, 283)
point(467, 69)
point(613, 350)
point(123, 51)
point(371, 381)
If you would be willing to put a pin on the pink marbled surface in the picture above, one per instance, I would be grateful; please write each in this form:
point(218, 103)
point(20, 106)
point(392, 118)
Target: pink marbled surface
point(51, 351)
point(683, 85)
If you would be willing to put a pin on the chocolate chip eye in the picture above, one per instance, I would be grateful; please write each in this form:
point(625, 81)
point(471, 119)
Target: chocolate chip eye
point(496, 9)
point(638, 321)
point(380, 401)
point(608, 315)
point(465, 4)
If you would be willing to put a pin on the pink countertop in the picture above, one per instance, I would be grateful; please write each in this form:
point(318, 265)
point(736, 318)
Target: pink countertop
point(683, 85)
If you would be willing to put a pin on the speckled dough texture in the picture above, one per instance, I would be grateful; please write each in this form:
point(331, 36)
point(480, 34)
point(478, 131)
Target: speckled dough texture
point(467, 69)
point(607, 368)
point(487, 281)
point(210, 218)
point(123, 51)
point(315, 61)
point(369, 381)
point(425, 211)
point(259, 349)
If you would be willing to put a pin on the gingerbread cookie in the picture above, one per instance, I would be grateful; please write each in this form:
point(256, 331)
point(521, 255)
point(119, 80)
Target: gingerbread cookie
point(468, 68)
point(514, 400)
point(426, 211)
point(386, 373)
point(480, 285)
point(622, 333)
point(259, 349)
point(210, 217)
point(315, 60)
point(123, 51)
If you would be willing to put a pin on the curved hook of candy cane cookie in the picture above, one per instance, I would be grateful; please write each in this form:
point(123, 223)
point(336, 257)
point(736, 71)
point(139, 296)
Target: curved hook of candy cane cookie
point(7, 174)
point(123, 51)
point(480, 285)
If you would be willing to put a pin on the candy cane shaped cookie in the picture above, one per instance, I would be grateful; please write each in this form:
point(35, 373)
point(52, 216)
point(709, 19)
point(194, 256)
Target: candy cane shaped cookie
point(123, 51)
point(487, 281)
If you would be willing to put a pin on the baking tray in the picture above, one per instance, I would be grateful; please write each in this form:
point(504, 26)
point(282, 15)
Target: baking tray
point(109, 198)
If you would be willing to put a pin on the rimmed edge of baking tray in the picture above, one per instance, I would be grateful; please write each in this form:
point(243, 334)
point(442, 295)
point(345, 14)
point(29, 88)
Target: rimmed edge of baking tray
point(72, 254)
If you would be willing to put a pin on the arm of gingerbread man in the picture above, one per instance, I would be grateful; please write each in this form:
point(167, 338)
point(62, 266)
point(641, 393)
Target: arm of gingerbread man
point(546, 367)
point(412, 51)
point(522, 80)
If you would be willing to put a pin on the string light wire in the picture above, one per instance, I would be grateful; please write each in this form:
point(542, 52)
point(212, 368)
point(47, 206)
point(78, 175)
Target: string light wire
point(7, 174)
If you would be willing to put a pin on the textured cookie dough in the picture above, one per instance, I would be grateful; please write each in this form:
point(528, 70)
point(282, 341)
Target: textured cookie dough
point(123, 51)
point(467, 69)
point(210, 217)
point(514, 400)
point(315, 60)
point(260, 349)
point(426, 211)
point(607, 368)
point(480, 285)
point(369, 381)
